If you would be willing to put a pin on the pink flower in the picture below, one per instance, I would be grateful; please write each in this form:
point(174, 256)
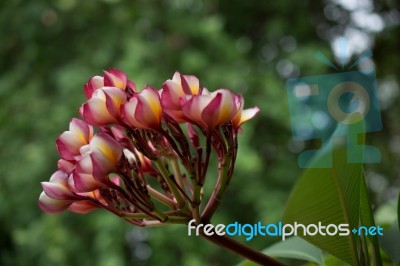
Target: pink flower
point(210, 109)
point(174, 89)
point(70, 142)
point(243, 115)
point(112, 78)
point(93, 84)
point(57, 196)
point(115, 78)
point(143, 110)
point(101, 158)
point(50, 205)
point(58, 188)
point(103, 107)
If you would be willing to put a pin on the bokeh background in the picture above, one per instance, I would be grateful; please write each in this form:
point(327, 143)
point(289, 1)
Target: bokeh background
point(49, 49)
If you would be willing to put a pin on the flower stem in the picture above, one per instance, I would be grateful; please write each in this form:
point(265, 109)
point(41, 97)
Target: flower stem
point(219, 189)
point(242, 250)
point(177, 172)
point(160, 197)
point(166, 175)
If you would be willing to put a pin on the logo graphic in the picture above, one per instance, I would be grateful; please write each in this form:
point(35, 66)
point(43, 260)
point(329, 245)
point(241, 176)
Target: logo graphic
point(280, 229)
point(333, 105)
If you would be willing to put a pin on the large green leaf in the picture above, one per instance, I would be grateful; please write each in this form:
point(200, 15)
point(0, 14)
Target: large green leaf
point(294, 248)
point(398, 211)
point(336, 195)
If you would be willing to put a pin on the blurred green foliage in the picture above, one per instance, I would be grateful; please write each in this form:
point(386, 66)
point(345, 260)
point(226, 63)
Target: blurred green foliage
point(48, 50)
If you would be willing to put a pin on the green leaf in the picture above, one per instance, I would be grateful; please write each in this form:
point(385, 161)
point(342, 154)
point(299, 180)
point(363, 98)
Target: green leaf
point(294, 248)
point(336, 195)
point(398, 212)
point(390, 243)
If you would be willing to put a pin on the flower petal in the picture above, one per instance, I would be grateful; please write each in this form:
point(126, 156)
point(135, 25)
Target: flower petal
point(52, 206)
point(93, 84)
point(95, 111)
point(109, 147)
point(82, 207)
point(66, 166)
point(115, 78)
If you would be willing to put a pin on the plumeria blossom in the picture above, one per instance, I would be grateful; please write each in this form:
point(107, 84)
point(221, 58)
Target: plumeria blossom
point(100, 158)
point(115, 78)
point(58, 196)
point(93, 84)
point(141, 154)
point(103, 107)
point(112, 78)
point(143, 110)
point(70, 142)
point(173, 90)
point(211, 109)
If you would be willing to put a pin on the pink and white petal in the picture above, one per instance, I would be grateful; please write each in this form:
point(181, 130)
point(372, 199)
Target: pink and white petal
point(194, 105)
point(52, 206)
point(107, 145)
point(247, 114)
point(193, 83)
point(212, 112)
point(114, 99)
point(177, 77)
point(81, 129)
point(185, 86)
point(150, 95)
point(59, 176)
point(84, 182)
point(101, 166)
point(95, 112)
point(93, 84)
point(128, 112)
point(176, 115)
point(148, 116)
point(172, 91)
point(66, 166)
point(228, 106)
point(116, 78)
point(82, 207)
point(58, 191)
point(68, 145)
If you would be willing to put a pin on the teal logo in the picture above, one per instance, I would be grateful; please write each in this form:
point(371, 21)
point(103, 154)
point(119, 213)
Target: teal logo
point(333, 105)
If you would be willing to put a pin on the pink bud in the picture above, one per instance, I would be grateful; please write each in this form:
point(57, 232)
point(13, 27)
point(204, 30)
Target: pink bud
point(174, 89)
point(69, 142)
point(93, 168)
point(103, 107)
point(209, 109)
point(50, 205)
point(93, 84)
point(143, 110)
point(115, 78)
point(58, 188)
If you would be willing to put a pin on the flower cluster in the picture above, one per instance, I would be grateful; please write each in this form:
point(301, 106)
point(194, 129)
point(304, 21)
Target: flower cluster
point(147, 159)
